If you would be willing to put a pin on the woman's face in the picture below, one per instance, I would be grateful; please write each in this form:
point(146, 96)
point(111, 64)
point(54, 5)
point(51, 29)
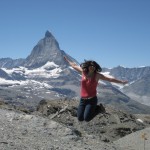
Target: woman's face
point(84, 69)
point(91, 68)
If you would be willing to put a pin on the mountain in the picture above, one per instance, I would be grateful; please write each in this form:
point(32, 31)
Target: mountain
point(44, 74)
point(46, 50)
point(139, 82)
point(110, 96)
point(139, 90)
point(130, 74)
point(10, 63)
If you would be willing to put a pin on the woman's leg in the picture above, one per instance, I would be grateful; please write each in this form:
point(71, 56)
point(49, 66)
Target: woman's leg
point(81, 109)
point(89, 112)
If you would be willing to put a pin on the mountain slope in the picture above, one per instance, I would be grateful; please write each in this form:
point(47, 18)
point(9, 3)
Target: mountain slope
point(113, 97)
point(139, 90)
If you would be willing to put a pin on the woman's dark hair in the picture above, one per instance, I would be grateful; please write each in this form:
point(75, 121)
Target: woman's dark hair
point(88, 63)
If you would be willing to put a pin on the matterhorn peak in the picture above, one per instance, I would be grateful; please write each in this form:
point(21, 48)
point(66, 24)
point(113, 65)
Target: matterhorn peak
point(48, 34)
point(46, 50)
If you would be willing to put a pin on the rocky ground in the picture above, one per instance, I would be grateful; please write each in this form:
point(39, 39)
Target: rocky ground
point(139, 140)
point(108, 126)
point(54, 126)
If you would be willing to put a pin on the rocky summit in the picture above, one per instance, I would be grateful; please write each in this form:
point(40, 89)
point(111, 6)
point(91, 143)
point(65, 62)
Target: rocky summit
point(46, 50)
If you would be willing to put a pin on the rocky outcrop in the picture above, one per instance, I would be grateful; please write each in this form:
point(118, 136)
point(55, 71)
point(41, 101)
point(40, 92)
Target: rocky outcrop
point(108, 126)
point(19, 130)
point(54, 125)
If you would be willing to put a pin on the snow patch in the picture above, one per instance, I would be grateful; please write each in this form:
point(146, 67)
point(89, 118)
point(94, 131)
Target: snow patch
point(140, 120)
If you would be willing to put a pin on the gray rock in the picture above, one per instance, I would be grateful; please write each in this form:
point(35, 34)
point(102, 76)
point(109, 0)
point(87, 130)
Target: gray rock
point(22, 131)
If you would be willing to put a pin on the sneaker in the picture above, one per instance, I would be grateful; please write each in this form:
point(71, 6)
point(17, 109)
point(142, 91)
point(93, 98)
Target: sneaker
point(100, 109)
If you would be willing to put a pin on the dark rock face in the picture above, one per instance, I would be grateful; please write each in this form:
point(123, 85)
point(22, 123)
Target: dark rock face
point(48, 34)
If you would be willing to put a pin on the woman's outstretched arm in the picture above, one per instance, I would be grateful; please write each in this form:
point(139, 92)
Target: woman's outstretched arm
point(73, 64)
point(103, 77)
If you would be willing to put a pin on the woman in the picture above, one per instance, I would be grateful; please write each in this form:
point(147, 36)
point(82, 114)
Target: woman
point(90, 71)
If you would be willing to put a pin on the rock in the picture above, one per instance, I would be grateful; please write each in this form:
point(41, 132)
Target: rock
point(20, 130)
point(112, 124)
point(38, 133)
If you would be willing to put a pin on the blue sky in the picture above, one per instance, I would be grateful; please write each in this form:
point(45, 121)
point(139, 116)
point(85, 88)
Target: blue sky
point(111, 32)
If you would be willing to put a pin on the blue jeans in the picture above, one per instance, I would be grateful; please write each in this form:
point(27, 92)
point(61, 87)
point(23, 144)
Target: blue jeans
point(86, 109)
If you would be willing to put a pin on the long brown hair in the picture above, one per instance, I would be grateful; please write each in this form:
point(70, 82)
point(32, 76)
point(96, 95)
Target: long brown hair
point(88, 63)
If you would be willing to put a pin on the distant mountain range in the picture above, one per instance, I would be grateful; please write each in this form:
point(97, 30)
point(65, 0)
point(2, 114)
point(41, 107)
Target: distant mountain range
point(45, 75)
